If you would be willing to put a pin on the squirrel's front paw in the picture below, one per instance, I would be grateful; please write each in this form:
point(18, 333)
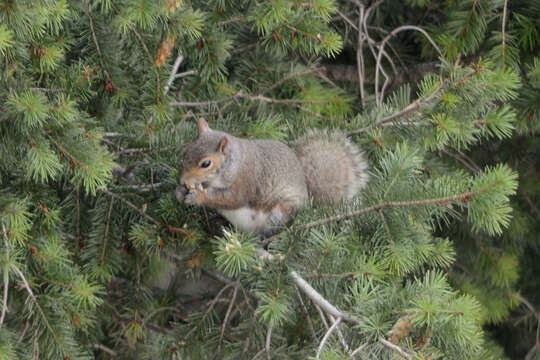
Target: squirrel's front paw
point(181, 193)
point(191, 198)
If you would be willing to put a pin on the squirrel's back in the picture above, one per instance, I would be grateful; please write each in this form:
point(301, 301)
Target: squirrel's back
point(334, 167)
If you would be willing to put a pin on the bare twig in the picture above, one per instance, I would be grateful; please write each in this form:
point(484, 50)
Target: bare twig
point(6, 277)
point(145, 48)
point(174, 70)
point(347, 215)
point(306, 314)
point(240, 95)
point(106, 235)
point(340, 335)
point(463, 159)
point(327, 335)
point(289, 77)
point(26, 326)
point(415, 105)
point(358, 349)
point(360, 54)
point(319, 300)
point(210, 307)
point(141, 187)
point(395, 348)
point(185, 73)
point(503, 45)
point(531, 352)
point(386, 227)
point(227, 314)
point(105, 349)
point(144, 214)
point(380, 97)
point(157, 311)
point(148, 150)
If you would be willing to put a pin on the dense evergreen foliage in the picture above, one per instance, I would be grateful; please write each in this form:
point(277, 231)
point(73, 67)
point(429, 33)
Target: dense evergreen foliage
point(438, 257)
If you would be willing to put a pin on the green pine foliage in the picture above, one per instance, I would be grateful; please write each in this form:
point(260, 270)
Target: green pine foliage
point(99, 260)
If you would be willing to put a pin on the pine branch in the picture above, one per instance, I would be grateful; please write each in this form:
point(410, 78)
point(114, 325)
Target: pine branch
point(380, 97)
point(29, 290)
point(227, 314)
point(460, 197)
point(144, 214)
point(306, 314)
point(396, 348)
point(319, 300)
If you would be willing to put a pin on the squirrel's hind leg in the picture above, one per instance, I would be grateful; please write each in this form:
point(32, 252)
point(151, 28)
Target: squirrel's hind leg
point(280, 215)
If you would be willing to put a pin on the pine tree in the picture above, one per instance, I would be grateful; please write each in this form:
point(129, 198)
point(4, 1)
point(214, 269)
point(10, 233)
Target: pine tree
point(99, 260)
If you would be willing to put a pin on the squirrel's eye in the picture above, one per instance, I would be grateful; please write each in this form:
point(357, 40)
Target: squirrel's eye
point(205, 164)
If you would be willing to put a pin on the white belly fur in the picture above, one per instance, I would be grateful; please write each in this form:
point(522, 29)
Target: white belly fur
point(245, 218)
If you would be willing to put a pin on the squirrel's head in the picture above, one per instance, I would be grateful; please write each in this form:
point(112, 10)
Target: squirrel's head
point(204, 157)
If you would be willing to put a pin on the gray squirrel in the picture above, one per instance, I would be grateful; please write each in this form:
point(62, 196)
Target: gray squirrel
point(259, 184)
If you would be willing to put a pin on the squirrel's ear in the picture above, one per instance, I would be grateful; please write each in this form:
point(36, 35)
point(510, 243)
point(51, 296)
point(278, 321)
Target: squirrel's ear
point(202, 125)
point(222, 146)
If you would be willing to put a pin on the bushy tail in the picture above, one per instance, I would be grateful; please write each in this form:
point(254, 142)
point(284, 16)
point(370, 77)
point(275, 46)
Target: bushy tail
point(334, 167)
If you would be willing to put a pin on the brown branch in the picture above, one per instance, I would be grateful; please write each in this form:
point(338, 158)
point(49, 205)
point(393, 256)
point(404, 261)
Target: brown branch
point(386, 227)
point(83, 165)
